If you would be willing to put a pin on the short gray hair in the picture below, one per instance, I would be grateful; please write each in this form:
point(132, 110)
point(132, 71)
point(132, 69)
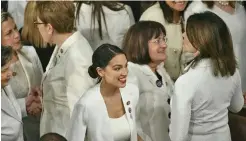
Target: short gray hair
point(6, 55)
point(5, 16)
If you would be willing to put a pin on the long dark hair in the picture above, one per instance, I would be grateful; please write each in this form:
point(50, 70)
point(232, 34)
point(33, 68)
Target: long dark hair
point(97, 10)
point(168, 13)
point(208, 33)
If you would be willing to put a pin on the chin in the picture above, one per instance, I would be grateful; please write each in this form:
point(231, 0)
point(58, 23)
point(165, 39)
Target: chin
point(122, 85)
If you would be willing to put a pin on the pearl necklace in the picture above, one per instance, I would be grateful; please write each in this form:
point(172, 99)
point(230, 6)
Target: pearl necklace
point(223, 3)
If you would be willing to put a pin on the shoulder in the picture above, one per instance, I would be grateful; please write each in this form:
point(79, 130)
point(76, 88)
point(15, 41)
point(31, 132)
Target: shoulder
point(80, 48)
point(195, 7)
point(90, 96)
point(28, 49)
point(152, 12)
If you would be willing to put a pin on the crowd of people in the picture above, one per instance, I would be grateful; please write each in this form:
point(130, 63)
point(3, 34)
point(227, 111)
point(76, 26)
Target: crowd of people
point(90, 71)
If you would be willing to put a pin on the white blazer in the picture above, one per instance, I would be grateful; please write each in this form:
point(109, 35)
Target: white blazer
point(117, 22)
point(11, 118)
point(90, 120)
point(200, 102)
point(33, 73)
point(65, 80)
point(153, 108)
point(33, 70)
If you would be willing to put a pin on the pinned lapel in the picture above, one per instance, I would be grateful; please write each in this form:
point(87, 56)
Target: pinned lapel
point(128, 99)
point(9, 104)
point(149, 74)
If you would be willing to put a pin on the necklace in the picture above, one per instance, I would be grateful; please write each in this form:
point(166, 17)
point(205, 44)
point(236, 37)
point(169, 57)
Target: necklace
point(223, 3)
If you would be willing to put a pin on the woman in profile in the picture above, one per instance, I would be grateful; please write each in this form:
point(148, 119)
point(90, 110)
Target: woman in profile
point(106, 112)
point(211, 85)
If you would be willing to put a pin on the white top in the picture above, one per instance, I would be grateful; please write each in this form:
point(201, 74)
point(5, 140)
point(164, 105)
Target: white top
point(90, 120)
point(200, 102)
point(11, 117)
point(19, 81)
point(236, 23)
point(120, 128)
point(117, 22)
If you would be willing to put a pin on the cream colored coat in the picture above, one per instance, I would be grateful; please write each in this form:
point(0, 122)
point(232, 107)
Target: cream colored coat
point(65, 80)
point(33, 71)
point(11, 117)
point(175, 61)
point(153, 108)
point(90, 120)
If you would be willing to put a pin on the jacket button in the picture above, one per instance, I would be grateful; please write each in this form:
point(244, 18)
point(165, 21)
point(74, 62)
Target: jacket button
point(169, 115)
point(128, 103)
point(61, 50)
point(168, 101)
point(14, 73)
point(130, 110)
point(175, 51)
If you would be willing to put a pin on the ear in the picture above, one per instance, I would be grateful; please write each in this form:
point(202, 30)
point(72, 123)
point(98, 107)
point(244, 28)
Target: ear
point(50, 28)
point(100, 72)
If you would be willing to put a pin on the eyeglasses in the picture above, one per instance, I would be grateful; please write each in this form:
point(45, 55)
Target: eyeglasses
point(36, 23)
point(160, 40)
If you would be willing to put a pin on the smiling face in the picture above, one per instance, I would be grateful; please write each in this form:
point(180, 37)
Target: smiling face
point(10, 34)
point(157, 49)
point(177, 5)
point(115, 72)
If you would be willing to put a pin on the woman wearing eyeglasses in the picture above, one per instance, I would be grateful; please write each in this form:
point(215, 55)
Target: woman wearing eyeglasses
point(170, 15)
point(145, 46)
point(66, 77)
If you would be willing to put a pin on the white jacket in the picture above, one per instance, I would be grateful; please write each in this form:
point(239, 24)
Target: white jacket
point(117, 22)
point(153, 108)
point(33, 73)
point(65, 80)
point(11, 118)
point(200, 102)
point(90, 120)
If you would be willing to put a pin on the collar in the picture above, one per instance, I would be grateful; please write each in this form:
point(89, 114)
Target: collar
point(67, 44)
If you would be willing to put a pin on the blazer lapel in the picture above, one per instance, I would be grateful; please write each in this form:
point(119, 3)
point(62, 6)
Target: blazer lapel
point(129, 109)
point(149, 75)
point(9, 105)
point(24, 62)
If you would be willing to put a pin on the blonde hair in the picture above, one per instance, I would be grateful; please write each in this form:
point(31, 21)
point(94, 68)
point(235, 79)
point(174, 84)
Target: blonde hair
point(30, 32)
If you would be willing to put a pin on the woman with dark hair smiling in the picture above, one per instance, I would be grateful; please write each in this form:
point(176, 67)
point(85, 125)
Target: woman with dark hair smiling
point(211, 86)
point(106, 112)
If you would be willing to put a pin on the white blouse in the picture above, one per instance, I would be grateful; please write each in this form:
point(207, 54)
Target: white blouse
point(19, 81)
point(120, 128)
